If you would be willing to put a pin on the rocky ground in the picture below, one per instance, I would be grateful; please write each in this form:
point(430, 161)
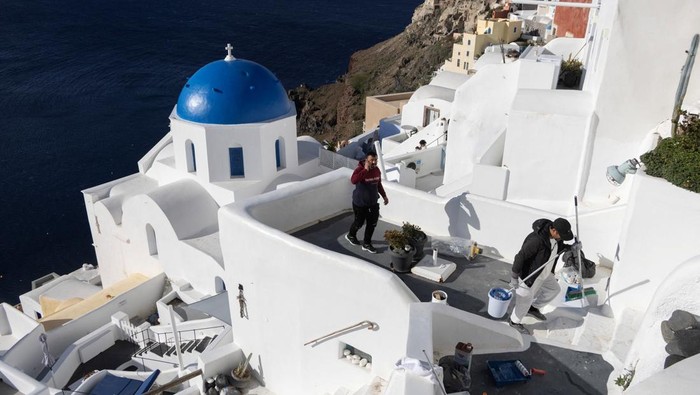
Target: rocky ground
point(399, 64)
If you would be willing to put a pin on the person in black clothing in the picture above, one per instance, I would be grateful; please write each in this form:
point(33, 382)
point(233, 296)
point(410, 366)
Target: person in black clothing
point(539, 248)
point(368, 186)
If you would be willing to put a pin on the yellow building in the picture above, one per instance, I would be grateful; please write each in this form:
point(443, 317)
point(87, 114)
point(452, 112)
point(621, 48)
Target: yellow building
point(488, 32)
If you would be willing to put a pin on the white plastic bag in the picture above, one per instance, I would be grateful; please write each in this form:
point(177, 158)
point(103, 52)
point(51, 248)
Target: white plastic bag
point(453, 246)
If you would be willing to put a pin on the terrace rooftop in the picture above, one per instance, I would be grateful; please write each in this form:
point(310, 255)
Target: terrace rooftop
point(467, 289)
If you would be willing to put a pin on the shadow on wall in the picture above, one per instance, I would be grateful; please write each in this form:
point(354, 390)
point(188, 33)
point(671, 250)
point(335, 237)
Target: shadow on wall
point(462, 216)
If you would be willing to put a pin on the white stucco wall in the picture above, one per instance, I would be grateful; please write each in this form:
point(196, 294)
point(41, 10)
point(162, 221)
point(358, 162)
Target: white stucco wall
point(212, 143)
point(479, 114)
point(499, 225)
point(21, 381)
point(139, 301)
point(296, 292)
point(176, 212)
point(545, 145)
point(659, 233)
point(636, 83)
point(24, 354)
point(678, 290)
point(413, 112)
point(82, 351)
point(537, 75)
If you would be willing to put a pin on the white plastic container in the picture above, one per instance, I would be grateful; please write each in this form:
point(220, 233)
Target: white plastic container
point(439, 297)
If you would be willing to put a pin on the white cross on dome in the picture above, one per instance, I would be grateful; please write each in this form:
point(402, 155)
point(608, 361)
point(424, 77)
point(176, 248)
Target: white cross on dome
point(229, 48)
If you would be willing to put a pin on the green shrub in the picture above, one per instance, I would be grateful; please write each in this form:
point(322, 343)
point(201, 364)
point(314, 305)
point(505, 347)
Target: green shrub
point(396, 239)
point(359, 82)
point(412, 231)
point(677, 159)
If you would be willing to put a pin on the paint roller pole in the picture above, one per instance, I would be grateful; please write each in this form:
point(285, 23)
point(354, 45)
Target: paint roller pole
point(578, 254)
point(537, 270)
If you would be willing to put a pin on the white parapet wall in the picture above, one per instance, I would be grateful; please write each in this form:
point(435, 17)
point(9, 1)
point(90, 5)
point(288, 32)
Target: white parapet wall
point(137, 301)
point(19, 340)
point(81, 351)
point(454, 326)
point(21, 381)
point(297, 292)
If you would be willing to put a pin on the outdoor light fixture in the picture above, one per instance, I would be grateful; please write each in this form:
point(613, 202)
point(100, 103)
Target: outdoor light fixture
point(616, 174)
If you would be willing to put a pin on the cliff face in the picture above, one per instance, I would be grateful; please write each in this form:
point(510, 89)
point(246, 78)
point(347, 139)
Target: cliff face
point(401, 63)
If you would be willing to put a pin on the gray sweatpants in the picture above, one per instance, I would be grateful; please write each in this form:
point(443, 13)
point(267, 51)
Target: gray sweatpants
point(524, 297)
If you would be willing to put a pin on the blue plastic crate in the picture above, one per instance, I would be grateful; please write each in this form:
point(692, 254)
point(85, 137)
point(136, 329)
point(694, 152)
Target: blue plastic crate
point(505, 372)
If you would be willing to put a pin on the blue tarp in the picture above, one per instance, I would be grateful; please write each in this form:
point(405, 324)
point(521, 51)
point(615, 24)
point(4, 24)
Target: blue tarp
point(114, 385)
point(388, 128)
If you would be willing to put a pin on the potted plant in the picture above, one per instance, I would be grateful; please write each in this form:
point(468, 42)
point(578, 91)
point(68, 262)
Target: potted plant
point(570, 73)
point(416, 237)
point(400, 249)
point(241, 374)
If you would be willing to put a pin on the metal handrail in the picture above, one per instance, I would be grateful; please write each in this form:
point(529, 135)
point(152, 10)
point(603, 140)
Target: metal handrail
point(169, 341)
point(370, 325)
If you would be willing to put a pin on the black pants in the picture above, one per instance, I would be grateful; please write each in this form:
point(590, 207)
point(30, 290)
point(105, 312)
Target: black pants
point(362, 214)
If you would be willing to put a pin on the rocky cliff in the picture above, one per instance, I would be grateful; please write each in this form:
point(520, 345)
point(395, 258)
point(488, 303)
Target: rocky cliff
point(399, 64)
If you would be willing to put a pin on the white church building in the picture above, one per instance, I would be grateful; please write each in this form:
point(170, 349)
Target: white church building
point(232, 135)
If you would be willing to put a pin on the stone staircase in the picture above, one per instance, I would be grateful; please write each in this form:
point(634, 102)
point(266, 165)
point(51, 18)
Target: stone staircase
point(157, 350)
point(589, 328)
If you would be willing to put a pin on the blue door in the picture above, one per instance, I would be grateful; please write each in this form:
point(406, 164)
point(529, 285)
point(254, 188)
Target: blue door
point(236, 159)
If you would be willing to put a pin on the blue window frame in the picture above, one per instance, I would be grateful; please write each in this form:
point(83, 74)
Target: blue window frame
point(236, 160)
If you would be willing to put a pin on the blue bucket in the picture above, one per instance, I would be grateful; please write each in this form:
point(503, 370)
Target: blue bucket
point(499, 299)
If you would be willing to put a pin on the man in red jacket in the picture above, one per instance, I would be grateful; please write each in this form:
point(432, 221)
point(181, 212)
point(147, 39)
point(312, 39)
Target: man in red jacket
point(368, 186)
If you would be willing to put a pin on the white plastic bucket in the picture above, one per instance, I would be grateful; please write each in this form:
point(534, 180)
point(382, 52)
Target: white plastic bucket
point(499, 299)
point(439, 297)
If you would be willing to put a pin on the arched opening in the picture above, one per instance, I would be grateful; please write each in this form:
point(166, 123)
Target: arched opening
point(151, 238)
point(219, 285)
point(280, 157)
point(236, 162)
point(191, 156)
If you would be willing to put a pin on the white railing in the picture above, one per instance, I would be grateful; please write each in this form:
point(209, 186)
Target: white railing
point(333, 160)
point(369, 324)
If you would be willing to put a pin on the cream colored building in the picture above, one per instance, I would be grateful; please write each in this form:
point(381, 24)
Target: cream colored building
point(488, 32)
point(383, 106)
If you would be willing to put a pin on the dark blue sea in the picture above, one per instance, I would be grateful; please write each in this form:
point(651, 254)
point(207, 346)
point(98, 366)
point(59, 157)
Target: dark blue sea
point(86, 88)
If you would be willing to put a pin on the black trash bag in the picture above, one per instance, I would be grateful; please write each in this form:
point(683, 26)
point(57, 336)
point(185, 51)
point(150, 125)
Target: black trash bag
point(570, 260)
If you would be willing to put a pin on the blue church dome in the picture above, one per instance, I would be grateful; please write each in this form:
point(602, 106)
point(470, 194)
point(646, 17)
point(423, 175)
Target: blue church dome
point(237, 91)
